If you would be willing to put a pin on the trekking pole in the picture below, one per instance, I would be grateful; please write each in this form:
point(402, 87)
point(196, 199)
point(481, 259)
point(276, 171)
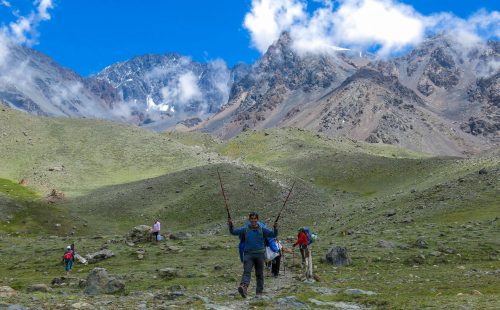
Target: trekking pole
point(224, 195)
point(284, 204)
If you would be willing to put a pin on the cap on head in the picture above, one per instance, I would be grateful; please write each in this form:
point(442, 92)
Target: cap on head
point(68, 247)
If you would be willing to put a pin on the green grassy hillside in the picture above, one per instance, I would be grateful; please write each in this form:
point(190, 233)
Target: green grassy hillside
point(378, 201)
point(94, 153)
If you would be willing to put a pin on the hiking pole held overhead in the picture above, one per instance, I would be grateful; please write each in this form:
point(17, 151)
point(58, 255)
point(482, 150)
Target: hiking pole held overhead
point(284, 204)
point(224, 195)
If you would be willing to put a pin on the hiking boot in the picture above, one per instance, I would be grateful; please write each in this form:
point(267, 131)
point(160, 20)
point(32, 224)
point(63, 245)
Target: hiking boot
point(242, 289)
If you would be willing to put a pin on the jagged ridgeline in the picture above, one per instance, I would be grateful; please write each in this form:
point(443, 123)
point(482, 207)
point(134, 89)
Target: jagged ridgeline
point(440, 98)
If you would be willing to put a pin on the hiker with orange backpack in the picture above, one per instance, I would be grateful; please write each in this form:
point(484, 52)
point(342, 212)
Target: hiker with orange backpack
point(68, 259)
point(254, 251)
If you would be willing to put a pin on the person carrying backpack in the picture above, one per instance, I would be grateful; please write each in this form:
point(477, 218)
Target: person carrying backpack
point(68, 259)
point(254, 251)
point(276, 262)
point(303, 243)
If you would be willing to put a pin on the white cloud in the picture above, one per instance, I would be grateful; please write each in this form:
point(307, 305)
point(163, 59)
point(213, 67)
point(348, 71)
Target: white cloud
point(5, 3)
point(268, 18)
point(188, 88)
point(368, 22)
point(24, 29)
point(4, 50)
point(387, 25)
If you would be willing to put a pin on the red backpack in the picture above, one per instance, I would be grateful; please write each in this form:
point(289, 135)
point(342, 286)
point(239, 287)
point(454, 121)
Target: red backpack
point(68, 255)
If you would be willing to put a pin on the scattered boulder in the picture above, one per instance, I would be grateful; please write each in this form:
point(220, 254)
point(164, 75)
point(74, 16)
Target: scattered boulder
point(390, 212)
point(7, 291)
point(291, 302)
point(168, 273)
point(140, 253)
point(336, 304)
point(63, 281)
point(16, 307)
point(326, 290)
point(56, 168)
point(23, 182)
point(139, 234)
point(358, 292)
point(99, 282)
point(421, 243)
point(174, 249)
point(181, 236)
point(483, 171)
point(44, 288)
point(338, 256)
point(54, 196)
point(82, 305)
point(386, 244)
point(407, 220)
point(99, 256)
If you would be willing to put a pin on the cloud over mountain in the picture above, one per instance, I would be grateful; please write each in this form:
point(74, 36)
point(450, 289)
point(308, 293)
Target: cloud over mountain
point(386, 26)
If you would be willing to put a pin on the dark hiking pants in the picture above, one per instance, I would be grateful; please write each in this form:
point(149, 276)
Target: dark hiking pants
point(303, 252)
point(250, 261)
point(276, 266)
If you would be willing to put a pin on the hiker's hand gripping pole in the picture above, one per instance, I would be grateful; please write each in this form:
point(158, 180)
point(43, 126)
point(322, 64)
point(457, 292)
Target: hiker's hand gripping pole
point(224, 195)
point(284, 204)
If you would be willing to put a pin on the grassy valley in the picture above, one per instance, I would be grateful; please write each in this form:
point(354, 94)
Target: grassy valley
point(422, 231)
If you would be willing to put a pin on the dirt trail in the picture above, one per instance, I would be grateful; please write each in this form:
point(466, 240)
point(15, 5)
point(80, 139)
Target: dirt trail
point(272, 288)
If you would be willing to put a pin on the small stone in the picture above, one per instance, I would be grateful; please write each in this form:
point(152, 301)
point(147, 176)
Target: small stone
point(386, 244)
point(483, 171)
point(358, 292)
point(82, 305)
point(390, 212)
point(421, 243)
point(168, 273)
point(38, 288)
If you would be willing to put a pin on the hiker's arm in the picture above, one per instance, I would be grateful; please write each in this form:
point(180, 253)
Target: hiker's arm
point(270, 233)
point(235, 232)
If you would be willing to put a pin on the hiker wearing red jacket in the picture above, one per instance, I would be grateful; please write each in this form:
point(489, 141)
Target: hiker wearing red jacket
point(68, 259)
point(303, 243)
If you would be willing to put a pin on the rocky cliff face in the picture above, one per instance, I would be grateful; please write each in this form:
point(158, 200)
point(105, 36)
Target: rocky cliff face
point(165, 88)
point(33, 82)
point(280, 80)
point(442, 97)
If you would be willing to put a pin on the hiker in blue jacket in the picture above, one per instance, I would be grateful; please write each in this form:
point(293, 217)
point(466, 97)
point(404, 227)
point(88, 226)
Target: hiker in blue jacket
point(254, 252)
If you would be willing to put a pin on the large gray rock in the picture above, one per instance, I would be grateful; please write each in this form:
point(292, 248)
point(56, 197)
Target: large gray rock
point(99, 256)
point(338, 256)
point(99, 282)
point(141, 233)
point(7, 291)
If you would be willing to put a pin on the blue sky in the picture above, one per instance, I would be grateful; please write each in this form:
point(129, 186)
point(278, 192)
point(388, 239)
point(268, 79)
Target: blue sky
point(88, 35)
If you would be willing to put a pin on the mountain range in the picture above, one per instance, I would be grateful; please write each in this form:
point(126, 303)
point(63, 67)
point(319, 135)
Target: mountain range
point(443, 97)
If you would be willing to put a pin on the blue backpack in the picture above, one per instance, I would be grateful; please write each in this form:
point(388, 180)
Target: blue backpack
point(310, 238)
point(271, 242)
